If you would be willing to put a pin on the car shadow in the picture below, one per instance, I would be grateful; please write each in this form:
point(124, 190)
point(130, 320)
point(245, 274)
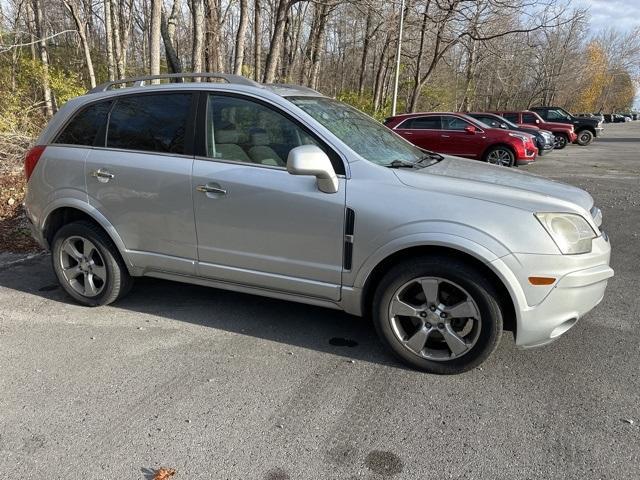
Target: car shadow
point(289, 323)
point(617, 140)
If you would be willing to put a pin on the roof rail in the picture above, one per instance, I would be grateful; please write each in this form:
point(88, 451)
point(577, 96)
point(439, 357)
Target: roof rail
point(141, 81)
point(302, 88)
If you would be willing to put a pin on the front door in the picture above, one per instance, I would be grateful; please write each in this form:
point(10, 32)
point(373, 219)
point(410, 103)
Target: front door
point(140, 180)
point(258, 225)
point(460, 141)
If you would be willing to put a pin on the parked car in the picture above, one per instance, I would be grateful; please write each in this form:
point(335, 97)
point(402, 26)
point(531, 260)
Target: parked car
point(608, 117)
point(283, 192)
point(586, 128)
point(617, 118)
point(563, 133)
point(544, 140)
point(460, 135)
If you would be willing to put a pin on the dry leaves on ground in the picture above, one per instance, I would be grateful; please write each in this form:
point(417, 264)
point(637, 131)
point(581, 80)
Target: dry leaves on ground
point(164, 473)
point(14, 227)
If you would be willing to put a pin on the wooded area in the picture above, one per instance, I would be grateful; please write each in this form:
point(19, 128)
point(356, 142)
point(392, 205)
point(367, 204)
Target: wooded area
point(455, 55)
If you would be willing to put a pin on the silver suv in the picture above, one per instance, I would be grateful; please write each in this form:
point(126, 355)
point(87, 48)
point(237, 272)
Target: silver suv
point(277, 190)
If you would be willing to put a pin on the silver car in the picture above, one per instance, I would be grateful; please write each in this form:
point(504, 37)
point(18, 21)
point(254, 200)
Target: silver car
point(277, 190)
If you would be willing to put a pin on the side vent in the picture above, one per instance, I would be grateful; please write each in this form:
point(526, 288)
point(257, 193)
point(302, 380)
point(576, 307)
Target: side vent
point(349, 226)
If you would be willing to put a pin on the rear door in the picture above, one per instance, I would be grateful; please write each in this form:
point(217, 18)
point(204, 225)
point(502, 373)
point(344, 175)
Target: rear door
point(138, 176)
point(424, 132)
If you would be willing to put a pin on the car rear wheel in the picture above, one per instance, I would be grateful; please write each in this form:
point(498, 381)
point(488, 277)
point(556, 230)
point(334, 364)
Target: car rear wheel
point(438, 315)
point(561, 141)
point(500, 156)
point(88, 265)
point(585, 137)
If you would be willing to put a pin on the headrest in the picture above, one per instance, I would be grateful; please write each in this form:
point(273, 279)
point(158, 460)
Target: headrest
point(227, 136)
point(260, 138)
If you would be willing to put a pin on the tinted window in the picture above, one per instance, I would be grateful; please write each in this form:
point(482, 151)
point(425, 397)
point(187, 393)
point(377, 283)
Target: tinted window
point(489, 121)
point(557, 115)
point(528, 118)
point(155, 123)
point(423, 123)
point(512, 117)
point(85, 125)
point(245, 131)
point(454, 123)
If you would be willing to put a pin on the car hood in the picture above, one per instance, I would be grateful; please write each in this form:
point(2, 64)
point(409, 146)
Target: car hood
point(507, 186)
point(557, 126)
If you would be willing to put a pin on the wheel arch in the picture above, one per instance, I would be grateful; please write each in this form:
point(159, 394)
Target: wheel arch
point(505, 297)
point(64, 213)
point(586, 127)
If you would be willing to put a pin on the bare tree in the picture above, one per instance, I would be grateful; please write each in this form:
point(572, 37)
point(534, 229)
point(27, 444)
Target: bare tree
point(81, 26)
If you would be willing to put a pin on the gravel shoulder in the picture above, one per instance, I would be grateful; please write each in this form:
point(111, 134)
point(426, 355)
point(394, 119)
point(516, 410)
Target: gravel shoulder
point(222, 385)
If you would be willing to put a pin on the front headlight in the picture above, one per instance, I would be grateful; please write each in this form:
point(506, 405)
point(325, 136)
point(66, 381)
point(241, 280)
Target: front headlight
point(571, 232)
point(517, 135)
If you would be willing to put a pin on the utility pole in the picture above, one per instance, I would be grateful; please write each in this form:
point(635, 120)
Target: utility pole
point(397, 74)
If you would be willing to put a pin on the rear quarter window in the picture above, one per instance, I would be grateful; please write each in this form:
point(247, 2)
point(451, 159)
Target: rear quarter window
point(153, 123)
point(85, 125)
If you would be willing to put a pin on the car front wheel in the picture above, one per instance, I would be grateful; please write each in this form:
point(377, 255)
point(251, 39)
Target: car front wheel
point(438, 315)
point(88, 265)
point(560, 141)
point(501, 156)
point(585, 137)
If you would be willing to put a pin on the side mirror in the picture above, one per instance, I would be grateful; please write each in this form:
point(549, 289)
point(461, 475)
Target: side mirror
point(537, 120)
point(504, 126)
point(311, 160)
point(470, 129)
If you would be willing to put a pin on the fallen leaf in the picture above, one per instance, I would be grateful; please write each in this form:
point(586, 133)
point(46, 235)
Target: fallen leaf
point(164, 473)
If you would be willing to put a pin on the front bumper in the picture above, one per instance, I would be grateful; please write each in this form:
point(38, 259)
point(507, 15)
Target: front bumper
point(599, 131)
point(543, 313)
point(573, 136)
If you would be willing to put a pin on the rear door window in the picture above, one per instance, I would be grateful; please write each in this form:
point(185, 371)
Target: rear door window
point(152, 123)
point(84, 127)
point(432, 122)
point(512, 117)
point(529, 118)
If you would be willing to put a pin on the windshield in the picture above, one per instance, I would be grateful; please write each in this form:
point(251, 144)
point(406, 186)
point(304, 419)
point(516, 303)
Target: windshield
point(558, 114)
point(365, 136)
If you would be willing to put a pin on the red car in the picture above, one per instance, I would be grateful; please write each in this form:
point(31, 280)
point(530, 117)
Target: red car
point(460, 135)
point(563, 133)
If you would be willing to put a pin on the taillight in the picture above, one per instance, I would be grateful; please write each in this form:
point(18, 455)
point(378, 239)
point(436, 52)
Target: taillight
point(31, 160)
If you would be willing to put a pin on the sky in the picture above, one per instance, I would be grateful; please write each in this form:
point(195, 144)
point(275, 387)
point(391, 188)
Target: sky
point(621, 14)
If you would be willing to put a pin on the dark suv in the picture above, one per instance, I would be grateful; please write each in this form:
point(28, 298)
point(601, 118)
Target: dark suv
point(586, 128)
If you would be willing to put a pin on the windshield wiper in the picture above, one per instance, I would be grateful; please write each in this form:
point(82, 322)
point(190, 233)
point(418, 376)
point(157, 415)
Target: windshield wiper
point(400, 164)
point(432, 156)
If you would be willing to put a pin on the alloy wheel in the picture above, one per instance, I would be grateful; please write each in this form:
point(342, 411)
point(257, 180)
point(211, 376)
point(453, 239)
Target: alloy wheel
point(560, 141)
point(83, 267)
point(435, 318)
point(500, 157)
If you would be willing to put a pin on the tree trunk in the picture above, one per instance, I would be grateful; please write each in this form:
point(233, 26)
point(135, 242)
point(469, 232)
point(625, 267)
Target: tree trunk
point(277, 40)
point(316, 53)
point(240, 37)
point(212, 51)
point(197, 15)
point(257, 44)
point(365, 52)
point(117, 43)
point(81, 27)
point(168, 29)
point(154, 39)
point(109, 33)
point(44, 58)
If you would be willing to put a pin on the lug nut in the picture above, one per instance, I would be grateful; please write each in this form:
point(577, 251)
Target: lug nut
point(443, 315)
point(428, 325)
point(423, 314)
point(432, 308)
point(441, 325)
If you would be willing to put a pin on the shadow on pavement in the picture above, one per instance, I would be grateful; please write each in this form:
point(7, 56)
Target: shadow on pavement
point(295, 324)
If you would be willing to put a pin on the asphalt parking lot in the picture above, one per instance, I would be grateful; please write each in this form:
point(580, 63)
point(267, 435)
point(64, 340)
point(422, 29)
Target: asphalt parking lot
point(222, 385)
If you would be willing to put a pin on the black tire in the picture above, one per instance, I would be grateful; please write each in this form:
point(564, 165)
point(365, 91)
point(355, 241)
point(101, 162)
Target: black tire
point(117, 283)
point(503, 151)
point(585, 137)
point(458, 272)
point(561, 141)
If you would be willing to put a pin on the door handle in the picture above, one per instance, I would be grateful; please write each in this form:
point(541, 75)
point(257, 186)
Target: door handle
point(211, 189)
point(446, 136)
point(102, 175)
